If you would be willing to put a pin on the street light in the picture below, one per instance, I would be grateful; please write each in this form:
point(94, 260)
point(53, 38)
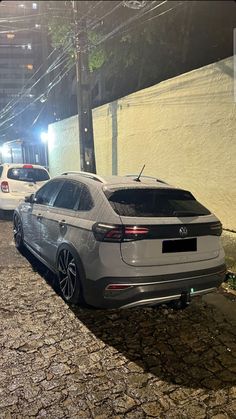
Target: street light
point(44, 137)
point(5, 153)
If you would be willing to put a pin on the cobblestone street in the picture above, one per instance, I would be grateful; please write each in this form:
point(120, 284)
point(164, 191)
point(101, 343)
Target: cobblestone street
point(69, 362)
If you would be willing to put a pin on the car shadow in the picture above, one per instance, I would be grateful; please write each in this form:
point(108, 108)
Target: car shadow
point(194, 347)
point(41, 269)
point(186, 347)
point(6, 215)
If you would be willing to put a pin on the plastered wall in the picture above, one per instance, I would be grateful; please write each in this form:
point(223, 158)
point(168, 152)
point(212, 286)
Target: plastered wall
point(183, 129)
point(63, 146)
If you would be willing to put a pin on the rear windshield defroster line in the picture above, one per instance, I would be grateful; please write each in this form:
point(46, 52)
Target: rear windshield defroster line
point(150, 202)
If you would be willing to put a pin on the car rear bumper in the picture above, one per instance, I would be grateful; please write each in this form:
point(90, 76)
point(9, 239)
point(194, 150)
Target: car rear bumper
point(10, 203)
point(152, 290)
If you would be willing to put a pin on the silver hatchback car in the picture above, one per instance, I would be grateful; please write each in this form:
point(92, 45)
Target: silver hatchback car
point(122, 241)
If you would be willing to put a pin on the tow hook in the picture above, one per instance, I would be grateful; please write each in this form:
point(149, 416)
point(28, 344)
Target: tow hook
point(182, 302)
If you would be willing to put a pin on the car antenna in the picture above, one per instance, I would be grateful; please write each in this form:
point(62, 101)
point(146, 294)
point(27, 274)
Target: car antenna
point(139, 176)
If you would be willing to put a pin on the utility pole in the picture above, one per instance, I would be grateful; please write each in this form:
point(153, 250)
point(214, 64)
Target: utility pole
point(46, 79)
point(87, 152)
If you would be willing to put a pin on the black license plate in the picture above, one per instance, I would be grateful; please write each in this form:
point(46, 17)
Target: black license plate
point(173, 246)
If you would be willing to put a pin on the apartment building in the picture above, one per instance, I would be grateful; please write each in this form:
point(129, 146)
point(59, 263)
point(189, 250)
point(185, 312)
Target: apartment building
point(20, 53)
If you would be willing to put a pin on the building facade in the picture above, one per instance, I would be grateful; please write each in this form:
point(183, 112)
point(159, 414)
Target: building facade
point(20, 57)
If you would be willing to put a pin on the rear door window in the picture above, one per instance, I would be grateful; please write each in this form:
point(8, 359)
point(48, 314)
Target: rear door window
point(1, 170)
point(138, 202)
point(69, 195)
point(27, 174)
point(85, 202)
point(47, 194)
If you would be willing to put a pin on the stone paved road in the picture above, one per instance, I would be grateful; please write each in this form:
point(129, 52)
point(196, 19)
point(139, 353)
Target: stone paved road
point(62, 362)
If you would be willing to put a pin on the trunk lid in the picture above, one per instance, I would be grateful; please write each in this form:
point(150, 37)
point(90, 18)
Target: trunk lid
point(180, 229)
point(165, 246)
point(24, 188)
point(26, 180)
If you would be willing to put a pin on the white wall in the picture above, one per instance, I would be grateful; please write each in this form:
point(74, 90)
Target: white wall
point(183, 129)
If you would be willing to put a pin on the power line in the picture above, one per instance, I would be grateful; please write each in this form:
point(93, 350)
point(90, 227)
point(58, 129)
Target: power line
point(9, 107)
point(132, 19)
point(55, 64)
point(55, 81)
point(61, 59)
point(52, 67)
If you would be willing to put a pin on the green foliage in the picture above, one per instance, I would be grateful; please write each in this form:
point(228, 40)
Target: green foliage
point(131, 50)
point(61, 29)
point(59, 32)
point(97, 53)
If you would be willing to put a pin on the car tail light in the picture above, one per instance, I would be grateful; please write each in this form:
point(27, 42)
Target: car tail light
point(27, 166)
point(118, 233)
point(5, 187)
point(135, 233)
point(216, 228)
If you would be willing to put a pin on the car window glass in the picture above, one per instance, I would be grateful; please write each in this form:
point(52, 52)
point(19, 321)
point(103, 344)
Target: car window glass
point(47, 193)
point(154, 203)
point(85, 202)
point(27, 174)
point(68, 195)
point(1, 169)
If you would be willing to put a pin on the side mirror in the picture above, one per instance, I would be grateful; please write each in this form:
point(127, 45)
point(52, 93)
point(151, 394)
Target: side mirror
point(30, 199)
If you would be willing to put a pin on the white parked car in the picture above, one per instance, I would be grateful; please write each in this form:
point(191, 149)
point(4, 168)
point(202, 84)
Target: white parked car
point(121, 241)
point(19, 180)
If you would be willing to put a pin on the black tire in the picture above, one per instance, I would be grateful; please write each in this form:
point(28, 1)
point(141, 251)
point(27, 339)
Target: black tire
point(70, 276)
point(18, 232)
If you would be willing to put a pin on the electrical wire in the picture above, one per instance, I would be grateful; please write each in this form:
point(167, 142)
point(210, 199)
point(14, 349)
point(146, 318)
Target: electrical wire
point(55, 81)
point(62, 57)
point(163, 13)
point(11, 108)
point(52, 85)
point(57, 63)
point(152, 18)
point(16, 19)
point(39, 114)
point(128, 21)
point(52, 67)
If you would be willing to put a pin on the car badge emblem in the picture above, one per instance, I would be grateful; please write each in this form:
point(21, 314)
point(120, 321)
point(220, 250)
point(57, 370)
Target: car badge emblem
point(183, 231)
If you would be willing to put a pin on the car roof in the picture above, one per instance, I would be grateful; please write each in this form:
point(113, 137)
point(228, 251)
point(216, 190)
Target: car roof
point(107, 182)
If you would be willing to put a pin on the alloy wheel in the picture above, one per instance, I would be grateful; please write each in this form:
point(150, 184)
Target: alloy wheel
point(68, 274)
point(17, 231)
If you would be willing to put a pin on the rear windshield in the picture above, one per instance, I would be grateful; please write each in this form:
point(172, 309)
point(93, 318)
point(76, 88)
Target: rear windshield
point(154, 203)
point(27, 174)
